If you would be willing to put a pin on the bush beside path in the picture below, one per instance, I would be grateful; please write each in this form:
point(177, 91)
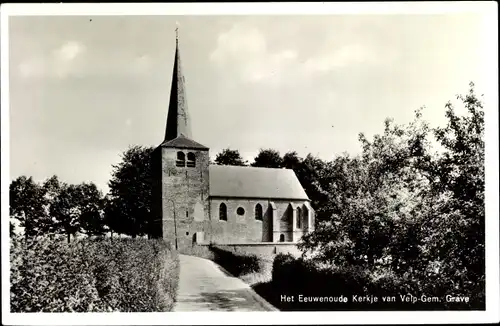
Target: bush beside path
point(92, 275)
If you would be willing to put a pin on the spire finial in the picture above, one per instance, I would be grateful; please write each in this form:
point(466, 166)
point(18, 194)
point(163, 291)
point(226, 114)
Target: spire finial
point(176, 32)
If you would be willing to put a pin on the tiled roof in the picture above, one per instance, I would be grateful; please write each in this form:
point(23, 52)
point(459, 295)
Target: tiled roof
point(183, 142)
point(252, 182)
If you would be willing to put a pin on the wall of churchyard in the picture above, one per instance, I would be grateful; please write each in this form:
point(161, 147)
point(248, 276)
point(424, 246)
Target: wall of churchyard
point(263, 250)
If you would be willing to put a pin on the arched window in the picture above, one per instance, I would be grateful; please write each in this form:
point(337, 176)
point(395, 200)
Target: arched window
point(299, 218)
point(282, 238)
point(305, 220)
point(191, 160)
point(258, 212)
point(223, 212)
point(181, 159)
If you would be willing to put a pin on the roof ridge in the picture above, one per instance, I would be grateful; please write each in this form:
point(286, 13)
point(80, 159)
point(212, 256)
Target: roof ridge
point(251, 167)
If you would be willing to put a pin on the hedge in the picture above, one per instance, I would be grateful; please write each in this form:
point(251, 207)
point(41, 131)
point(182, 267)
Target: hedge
point(92, 275)
point(235, 263)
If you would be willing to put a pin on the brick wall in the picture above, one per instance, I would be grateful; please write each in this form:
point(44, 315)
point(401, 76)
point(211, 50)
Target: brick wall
point(184, 196)
point(278, 219)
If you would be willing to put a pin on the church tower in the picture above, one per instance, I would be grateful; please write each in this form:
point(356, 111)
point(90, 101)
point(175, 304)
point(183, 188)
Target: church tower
point(180, 172)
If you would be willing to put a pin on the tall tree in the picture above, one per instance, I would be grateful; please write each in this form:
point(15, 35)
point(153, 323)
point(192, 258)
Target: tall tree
point(52, 188)
point(311, 174)
point(92, 206)
point(27, 205)
point(131, 191)
point(66, 209)
point(291, 160)
point(230, 157)
point(374, 200)
point(112, 215)
point(268, 158)
point(459, 178)
point(314, 177)
point(77, 208)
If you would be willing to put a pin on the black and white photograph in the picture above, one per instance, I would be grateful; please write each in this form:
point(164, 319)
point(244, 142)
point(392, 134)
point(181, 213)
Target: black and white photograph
point(337, 161)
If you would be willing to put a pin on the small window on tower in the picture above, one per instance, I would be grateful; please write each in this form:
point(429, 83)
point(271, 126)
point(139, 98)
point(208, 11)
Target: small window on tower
point(181, 159)
point(191, 160)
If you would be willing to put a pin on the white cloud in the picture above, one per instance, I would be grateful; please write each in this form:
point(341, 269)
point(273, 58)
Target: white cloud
point(351, 54)
point(241, 39)
point(246, 48)
point(271, 67)
point(33, 67)
point(141, 64)
point(74, 58)
point(65, 58)
point(69, 51)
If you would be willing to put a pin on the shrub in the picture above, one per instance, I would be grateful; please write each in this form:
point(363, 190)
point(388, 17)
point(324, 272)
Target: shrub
point(128, 275)
point(201, 251)
point(293, 277)
point(283, 269)
point(236, 263)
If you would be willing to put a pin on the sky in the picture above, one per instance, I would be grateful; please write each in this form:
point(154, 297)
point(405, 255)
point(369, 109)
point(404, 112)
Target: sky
point(85, 88)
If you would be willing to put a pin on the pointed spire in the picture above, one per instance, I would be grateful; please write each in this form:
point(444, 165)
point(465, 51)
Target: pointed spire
point(178, 118)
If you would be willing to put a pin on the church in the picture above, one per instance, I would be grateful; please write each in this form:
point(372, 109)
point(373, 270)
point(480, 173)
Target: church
point(198, 202)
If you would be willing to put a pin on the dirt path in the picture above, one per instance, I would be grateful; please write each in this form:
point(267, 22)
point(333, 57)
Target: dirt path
point(205, 286)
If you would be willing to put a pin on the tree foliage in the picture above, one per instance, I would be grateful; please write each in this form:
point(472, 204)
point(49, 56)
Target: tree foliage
point(27, 205)
point(56, 207)
point(401, 208)
point(312, 174)
point(268, 158)
point(230, 157)
point(130, 196)
point(77, 208)
point(112, 217)
point(91, 204)
point(459, 235)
